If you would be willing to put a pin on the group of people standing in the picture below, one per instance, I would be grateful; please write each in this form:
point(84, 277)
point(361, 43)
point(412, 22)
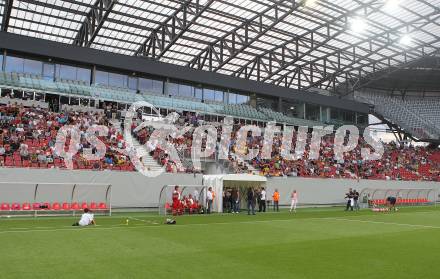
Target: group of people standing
point(231, 200)
point(352, 198)
point(255, 198)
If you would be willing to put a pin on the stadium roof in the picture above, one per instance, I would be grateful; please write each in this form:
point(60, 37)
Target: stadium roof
point(297, 44)
point(419, 77)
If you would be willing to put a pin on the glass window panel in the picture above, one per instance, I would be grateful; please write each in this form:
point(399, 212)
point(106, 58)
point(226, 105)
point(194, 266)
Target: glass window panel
point(48, 71)
point(334, 114)
point(64, 100)
point(186, 90)
point(14, 64)
point(1, 61)
point(324, 114)
point(312, 112)
point(101, 78)
point(349, 116)
point(232, 98)
point(132, 83)
point(292, 108)
point(198, 93)
point(145, 84)
point(117, 80)
point(242, 99)
point(219, 96)
point(362, 119)
point(74, 101)
point(83, 74)
point(208, 94)
point(172, 89)
point(157, 86)
point(33, 66)
point(66, 72)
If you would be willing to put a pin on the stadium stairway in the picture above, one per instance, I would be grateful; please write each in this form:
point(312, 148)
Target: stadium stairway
point(227, 164)
point(147, 159)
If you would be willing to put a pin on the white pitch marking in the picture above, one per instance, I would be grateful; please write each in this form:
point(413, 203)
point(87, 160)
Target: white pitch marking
point(119, 226)
point(140, 226)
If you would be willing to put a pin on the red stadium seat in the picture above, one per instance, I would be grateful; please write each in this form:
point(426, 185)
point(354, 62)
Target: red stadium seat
point(56, 206)
point(36, 206)
point(26, 206)
point(5, 206)
point(75, 206)
point(102, 205)
point(93, 205)
point(66, 206)
point(84, 205)
point(15, 206)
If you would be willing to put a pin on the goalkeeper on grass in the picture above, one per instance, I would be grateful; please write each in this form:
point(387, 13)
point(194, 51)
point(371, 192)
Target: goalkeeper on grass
point(86, 219)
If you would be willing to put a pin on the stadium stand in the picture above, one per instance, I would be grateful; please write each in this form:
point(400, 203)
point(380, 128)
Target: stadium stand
point(24, 146)
point(29, 134)
point(417, 115)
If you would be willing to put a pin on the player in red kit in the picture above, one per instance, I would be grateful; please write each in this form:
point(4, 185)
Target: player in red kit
point(176, 201)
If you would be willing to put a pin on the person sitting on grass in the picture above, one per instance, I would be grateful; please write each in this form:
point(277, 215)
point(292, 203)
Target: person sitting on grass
point(86, 219)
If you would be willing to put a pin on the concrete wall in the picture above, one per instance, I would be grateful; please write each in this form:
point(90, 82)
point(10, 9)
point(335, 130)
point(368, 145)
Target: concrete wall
point(332, 191)
point(131, 189)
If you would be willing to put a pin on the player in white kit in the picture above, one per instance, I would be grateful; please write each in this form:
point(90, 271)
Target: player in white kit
point(294, 197)
point(86, 219)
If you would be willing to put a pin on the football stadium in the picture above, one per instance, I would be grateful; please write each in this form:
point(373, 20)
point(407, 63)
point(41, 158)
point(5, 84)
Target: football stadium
point(219, 138)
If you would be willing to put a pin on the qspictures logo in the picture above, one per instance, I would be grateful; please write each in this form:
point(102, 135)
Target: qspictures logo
point(206, 140)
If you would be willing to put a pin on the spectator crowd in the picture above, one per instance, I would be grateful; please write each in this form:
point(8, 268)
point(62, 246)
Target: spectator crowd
point(28, 135)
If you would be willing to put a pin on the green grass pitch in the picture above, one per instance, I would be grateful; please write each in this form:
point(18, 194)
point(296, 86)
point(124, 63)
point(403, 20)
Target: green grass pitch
point(313, 243)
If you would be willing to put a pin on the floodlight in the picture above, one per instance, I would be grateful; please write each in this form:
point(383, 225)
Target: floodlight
point(391, 5)
point(358, 25)
point(405, 39)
